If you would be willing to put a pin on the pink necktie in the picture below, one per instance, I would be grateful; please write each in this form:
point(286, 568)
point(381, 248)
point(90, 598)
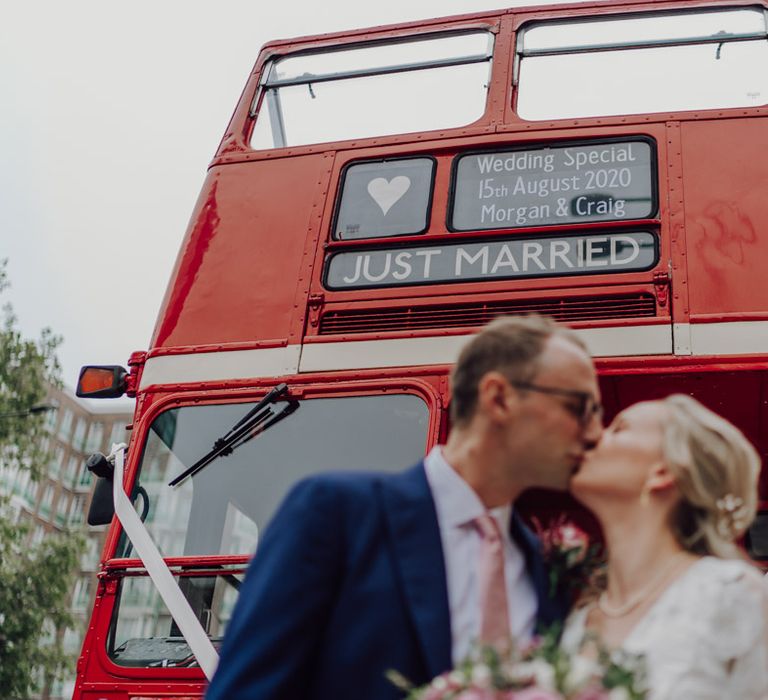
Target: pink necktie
point(494, 610)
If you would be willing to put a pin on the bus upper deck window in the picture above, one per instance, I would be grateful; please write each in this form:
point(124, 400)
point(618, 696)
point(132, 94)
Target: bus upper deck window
point(374, 90)
point(658, 62)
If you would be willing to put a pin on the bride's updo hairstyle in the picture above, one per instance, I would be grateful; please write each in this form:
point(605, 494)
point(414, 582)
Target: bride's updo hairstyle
point(717, 470)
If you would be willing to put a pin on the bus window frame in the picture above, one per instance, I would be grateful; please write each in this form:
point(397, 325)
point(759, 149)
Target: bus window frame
point(265, 68)
point(523, 23)
point(235, 145)
point(362, 73)
point(654, 215)
point(628, 14)
point(340, 192)
point(422, 383)
point(302, 388)
point(180, 570)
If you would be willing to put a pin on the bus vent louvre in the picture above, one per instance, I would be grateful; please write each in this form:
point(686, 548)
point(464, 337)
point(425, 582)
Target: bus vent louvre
point(479, 313)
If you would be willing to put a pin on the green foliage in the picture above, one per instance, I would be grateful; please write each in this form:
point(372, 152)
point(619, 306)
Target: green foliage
point(26, 367)
point(35, 579)
point(34, 589)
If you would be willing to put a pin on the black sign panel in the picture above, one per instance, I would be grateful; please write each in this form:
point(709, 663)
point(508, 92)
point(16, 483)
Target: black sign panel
point(494, 260)
point(385, 198)
point(600, 181)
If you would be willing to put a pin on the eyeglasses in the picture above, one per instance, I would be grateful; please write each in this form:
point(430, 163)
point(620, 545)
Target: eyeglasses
point(586, 407)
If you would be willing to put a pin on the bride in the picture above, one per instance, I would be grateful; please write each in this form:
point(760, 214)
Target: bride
point(673, 486)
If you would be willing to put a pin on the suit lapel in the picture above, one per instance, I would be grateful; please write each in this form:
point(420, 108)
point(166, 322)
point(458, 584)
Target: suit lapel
point(417, 548)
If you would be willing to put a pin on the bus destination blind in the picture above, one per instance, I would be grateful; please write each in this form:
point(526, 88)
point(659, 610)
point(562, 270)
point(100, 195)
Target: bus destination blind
point(516, 258)
point(601, 181)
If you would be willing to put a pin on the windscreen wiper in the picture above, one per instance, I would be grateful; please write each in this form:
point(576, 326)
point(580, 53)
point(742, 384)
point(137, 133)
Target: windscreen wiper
point(256, 421)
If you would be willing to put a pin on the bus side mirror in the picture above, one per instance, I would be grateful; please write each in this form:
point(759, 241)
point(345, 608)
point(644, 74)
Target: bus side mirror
point(102, 382)
point(102, 508)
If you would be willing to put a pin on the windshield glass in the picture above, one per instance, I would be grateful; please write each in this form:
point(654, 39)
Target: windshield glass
point(223, 507)
point(143, 633)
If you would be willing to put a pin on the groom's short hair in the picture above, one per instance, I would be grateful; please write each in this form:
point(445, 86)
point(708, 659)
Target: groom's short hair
point(511, 345)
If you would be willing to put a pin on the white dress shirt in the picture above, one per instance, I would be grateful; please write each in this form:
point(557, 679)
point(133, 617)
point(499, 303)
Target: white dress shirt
point(457, 505)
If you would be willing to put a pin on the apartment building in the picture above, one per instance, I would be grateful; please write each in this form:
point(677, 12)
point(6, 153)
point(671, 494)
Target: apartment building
point(61, 497)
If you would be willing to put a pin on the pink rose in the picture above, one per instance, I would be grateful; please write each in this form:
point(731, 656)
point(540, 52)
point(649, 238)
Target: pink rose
point(571, 535)
point(533, 694)
point(435, 694)
point(593, 693)
point(573, 542)
point(476, 694)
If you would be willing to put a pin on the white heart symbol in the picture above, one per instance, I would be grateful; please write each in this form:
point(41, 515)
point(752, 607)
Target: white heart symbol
point(387, 193)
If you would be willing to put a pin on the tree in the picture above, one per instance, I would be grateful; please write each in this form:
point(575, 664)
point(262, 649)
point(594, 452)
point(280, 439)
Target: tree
point(35, 579)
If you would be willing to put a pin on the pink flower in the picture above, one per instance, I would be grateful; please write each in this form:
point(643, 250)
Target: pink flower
point(593, 693)
point(572, 542)
point(533, 694)
point(476, 694)
point(437, 693)
point(560, 537)
point(443, 686)
point(571, 535)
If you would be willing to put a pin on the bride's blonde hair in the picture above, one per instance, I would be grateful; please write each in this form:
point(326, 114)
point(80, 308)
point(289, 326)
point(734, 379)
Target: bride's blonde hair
point(717, 471)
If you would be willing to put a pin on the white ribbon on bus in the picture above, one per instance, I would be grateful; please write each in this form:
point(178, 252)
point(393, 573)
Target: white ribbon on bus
point(158, 571)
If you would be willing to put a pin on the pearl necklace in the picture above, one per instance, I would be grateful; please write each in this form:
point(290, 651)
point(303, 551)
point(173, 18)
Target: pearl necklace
point(634, 601)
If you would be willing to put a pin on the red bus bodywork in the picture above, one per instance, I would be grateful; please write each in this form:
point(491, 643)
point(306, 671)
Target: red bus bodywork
point(247, 300)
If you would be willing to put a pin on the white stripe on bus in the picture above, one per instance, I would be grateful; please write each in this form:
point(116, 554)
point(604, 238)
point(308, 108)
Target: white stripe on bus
point(731, 338)
point(221, 366)
point(602, 342)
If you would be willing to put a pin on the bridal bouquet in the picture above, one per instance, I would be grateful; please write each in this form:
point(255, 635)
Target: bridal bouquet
point(543, 671)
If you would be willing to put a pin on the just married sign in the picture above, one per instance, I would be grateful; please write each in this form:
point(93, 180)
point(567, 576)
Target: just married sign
point(593, 181)
point(498, 259)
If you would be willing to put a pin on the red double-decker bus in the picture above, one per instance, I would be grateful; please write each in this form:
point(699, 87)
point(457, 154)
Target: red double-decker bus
point(378, 195)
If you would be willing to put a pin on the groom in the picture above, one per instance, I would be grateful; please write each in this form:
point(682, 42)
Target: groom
point(359, 573)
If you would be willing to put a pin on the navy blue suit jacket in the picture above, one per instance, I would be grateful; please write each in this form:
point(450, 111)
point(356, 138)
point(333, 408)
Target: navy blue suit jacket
point(348, 582)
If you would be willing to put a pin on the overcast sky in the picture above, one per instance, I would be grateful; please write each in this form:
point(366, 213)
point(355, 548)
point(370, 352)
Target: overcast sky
point(111, 114)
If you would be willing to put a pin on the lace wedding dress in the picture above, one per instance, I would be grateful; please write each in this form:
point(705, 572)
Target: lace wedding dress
point(705, 638)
